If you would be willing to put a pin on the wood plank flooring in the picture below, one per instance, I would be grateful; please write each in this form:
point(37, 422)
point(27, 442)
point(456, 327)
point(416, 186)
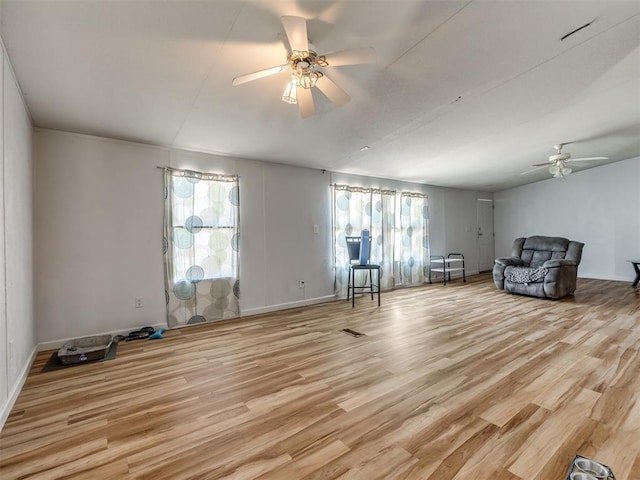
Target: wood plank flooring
point(455, 382)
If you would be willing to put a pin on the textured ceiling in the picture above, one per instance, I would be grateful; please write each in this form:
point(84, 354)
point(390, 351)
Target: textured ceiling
point(464, 94)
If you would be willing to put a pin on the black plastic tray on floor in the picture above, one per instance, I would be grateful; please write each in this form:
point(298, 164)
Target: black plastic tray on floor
point(54, 362)
point(85, 349)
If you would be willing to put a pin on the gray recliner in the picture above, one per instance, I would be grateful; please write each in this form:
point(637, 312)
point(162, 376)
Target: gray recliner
point(539, 266)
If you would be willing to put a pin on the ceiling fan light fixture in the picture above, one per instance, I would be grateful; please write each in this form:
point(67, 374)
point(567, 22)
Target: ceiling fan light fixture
point(559, 171)
point(307, 79)
point(290, 92)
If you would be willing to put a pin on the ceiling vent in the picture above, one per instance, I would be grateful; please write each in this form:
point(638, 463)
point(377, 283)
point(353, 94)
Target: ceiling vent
point(576, 30)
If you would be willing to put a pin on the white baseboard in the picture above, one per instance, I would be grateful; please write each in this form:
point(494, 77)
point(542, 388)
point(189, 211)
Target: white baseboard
point(615, 278)
point(284, 306)
point(55, 344)
point(17, 388)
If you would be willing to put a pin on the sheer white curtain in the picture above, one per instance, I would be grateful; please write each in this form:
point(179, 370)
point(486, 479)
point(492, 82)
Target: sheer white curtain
point(201, 244)
point(412, 239)
point(355, 209)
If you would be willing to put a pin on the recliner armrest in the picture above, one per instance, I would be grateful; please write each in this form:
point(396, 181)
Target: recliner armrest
point(559, 262)
point(507, 261)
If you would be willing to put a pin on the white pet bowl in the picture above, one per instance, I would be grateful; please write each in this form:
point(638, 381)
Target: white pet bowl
point(594, 469)
point(581, 476)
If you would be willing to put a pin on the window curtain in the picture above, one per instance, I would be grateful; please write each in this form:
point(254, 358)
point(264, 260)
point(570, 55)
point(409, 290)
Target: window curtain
point(355, 209)
point(413, 241)
point(201, 243)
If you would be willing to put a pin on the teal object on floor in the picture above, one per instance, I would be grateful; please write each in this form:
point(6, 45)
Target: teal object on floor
point(157, 334)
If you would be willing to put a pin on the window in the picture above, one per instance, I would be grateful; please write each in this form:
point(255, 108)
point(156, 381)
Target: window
point(397, 222)
point(204, 229)
point(201, 246)
point(412, 239)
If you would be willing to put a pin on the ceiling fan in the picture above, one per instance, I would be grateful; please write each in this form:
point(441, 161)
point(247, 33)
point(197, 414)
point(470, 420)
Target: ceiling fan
point(305, 66)
point(558, 163)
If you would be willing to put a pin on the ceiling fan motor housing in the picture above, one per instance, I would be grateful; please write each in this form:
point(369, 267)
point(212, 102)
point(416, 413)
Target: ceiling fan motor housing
point(303, 66)
point(560, 157)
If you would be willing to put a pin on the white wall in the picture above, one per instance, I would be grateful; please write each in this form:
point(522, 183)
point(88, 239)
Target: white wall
point(599, 207)
point(4, 382)
point(98, 245)
point(296, 199)
point(17, 332)
point(98, 235)
point(98, 211)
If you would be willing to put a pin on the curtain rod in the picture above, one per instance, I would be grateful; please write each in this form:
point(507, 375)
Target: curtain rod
point(352, 188)
point(413, 194)
point(377, 190)
point(193, 173)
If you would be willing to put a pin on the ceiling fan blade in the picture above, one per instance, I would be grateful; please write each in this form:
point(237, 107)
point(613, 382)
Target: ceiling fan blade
point(534, 169)
point(587, 159)
point(305, 102)
point(352, 56)
point(332, 91)
point(296, 30)
point(249, 77)
point(545, 164)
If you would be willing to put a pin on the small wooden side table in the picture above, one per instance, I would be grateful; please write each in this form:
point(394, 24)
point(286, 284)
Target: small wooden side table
point(636, 267)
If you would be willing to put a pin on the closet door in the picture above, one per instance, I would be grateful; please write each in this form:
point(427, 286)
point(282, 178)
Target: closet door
point(485, 235)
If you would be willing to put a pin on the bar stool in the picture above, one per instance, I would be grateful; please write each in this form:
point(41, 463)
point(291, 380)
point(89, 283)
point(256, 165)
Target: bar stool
point(353, 248)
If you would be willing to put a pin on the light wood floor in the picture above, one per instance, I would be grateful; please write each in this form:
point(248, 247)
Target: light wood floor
point(450, 382)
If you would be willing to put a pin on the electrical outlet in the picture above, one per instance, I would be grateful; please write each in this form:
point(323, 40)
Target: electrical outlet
point(316, 229)
point(301, 284)
point(138, 302)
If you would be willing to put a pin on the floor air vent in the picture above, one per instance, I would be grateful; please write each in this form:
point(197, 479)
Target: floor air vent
point(353, 333)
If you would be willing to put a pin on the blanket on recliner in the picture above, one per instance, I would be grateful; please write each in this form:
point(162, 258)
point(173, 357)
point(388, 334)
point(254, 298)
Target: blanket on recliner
point(525, 274)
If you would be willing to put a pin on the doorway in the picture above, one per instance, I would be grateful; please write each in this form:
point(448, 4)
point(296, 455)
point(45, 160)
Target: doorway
point(485, 235)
